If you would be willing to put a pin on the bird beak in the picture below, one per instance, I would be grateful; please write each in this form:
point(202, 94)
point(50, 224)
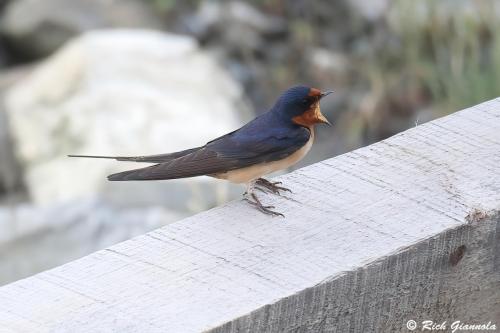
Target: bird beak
point(321, 117)
point(325, 93)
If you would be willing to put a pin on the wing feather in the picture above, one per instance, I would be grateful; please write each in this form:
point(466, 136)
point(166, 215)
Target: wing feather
point(225, 154)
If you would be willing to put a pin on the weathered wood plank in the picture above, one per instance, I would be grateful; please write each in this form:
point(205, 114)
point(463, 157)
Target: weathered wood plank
point(407, 228)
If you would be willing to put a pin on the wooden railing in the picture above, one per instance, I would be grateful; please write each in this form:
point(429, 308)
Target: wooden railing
point(405, 229)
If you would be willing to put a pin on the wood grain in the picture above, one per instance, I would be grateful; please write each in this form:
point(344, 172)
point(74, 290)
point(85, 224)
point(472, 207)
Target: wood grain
point(370, 241)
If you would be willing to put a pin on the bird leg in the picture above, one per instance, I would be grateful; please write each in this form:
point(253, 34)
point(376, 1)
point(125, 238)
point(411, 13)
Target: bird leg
point(256, 202)
point(271, 186)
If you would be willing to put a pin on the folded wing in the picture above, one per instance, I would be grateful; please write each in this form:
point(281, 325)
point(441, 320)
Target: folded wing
point(227, 153)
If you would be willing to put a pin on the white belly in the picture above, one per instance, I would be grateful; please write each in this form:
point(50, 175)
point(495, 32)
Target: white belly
point(247, 174)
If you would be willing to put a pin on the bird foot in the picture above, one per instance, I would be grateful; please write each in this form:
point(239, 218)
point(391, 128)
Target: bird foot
point(264, 209)
point(271, 186)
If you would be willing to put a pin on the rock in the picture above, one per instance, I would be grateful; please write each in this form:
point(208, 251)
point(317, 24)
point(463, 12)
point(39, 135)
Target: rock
point(3, 3)
point(235, 24)
point(10, 172)
point(37, 28)
point(3, 55)
point(10, 177)
point(246, 14)
point(121, 92)
point(33, 238)
point(326, 62)
point(370, 10)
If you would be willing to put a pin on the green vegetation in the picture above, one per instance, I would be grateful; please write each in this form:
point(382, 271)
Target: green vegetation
point(449, 50)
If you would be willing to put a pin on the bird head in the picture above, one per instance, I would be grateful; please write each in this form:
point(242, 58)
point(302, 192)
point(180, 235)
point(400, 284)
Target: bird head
point(301, 105)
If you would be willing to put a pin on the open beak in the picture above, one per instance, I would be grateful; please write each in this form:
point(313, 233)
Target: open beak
point(325, 93)
point(320, 116)
point(322, 119)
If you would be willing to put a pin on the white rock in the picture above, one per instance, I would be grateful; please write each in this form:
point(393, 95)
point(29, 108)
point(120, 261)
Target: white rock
point(117, 92)
point(325, 60)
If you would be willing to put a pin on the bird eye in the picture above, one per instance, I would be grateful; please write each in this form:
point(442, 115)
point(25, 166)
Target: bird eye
point(305, 101)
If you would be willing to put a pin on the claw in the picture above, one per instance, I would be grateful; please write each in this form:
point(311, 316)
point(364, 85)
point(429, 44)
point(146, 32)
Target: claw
point(272, 186)
point(284, 189)
point(262, 208)
point(263, 190)
point(257, 205)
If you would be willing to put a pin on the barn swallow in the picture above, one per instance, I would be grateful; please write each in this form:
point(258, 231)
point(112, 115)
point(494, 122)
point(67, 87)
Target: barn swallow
point(272, 141)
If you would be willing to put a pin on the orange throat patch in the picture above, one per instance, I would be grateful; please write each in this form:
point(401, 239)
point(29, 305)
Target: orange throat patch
point(310, 117)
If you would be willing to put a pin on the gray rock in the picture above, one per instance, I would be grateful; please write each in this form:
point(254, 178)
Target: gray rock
point(237, 24)
point(3, 55)
point(10, 171)
point(121, 92)
point(370, 10)
point(246, 14)
point(3, 3)
point(33, 239)
point(9, 175)
point(327, 61)
point(37, 28)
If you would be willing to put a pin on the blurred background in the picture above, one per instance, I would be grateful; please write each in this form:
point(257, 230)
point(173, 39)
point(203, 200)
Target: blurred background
point(128, 77)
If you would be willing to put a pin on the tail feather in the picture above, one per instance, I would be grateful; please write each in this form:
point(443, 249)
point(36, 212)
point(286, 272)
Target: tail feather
point(95, 156)
point(161, 158)
point(128, 175)
point(121, 176)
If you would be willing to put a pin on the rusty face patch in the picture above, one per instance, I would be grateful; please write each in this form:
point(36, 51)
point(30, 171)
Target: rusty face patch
point(308, 118)
point(314, 92)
